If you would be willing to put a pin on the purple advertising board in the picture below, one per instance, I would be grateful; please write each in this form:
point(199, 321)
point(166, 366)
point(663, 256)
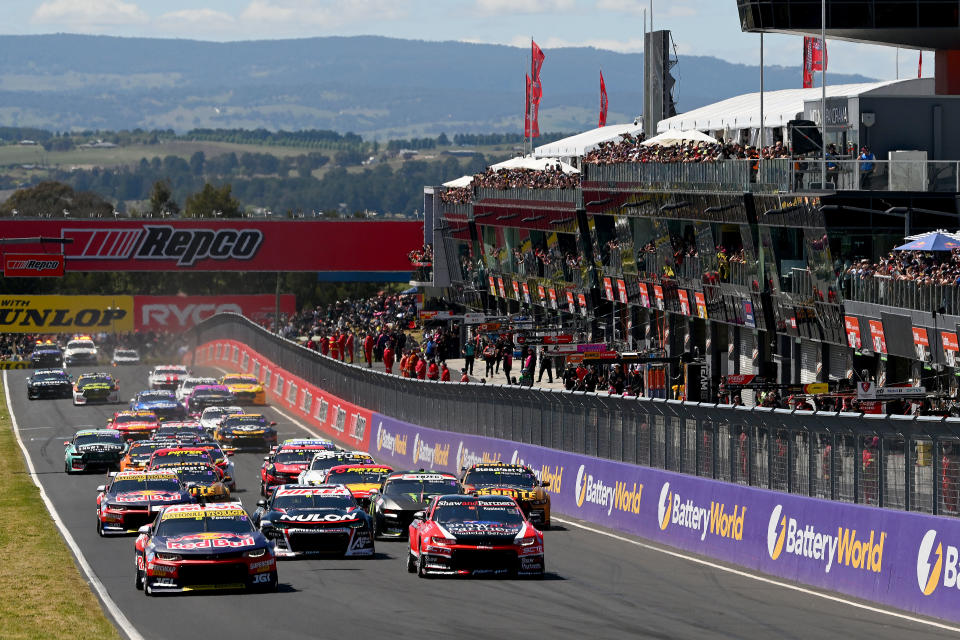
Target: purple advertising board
point(906, 560)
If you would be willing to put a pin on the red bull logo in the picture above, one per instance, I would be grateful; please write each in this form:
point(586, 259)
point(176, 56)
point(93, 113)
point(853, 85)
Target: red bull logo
point(211, 541)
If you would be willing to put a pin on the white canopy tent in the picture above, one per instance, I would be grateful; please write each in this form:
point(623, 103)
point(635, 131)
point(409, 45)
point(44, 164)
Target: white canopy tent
point(463, 181)
point(728, 117)
point(583, 143)
point(673, 137)
point(537, 164)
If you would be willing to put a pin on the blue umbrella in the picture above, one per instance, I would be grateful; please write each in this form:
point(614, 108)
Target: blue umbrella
point(933, 241)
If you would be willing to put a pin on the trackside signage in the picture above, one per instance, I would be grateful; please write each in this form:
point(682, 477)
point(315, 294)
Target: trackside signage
point(905, 560)
point(177, 313)
point(228, 245)
point(32, 265)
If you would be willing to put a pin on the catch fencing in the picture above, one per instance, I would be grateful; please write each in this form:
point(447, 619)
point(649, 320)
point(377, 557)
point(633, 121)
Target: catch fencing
point(898, 462)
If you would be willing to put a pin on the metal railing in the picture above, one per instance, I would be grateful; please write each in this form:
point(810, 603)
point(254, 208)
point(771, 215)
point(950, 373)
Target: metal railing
point(574, 196)
point(905, 294)
point(899, 462)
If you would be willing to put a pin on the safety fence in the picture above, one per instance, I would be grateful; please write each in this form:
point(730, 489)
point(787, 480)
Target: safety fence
point(898, 462)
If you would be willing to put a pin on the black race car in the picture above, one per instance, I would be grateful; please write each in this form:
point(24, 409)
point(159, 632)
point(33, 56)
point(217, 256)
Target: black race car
point(315, 520)
point(49, 383)
point(403, 494)
point(46, 356)
point(246, 431)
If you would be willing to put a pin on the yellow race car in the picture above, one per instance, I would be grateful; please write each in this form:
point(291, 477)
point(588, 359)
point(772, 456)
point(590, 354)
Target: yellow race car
point(246, 389)
point(514, 480)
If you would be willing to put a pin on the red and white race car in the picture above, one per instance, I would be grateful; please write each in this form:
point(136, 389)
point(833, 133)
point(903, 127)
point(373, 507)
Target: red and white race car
point(167, 376)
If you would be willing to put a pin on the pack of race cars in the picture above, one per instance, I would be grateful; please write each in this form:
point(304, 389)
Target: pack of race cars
point(170, 480)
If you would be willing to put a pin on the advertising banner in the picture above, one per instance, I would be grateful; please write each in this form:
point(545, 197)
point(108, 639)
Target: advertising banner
point(950, 347)
point(32, 265)
point(177, 313)
point(553, 298)
point(877, 338)
point(658, 295)
point(701, 304)
point(644, 296)
point(622, 290)
point(921, 344)
point(852, 326)
point(66, 314)
point(493, 285)
point(906, 560)
point(684, 301)
point(227, 245)
point(571, 307)
point(503, 291)
point(542, 293)
point(608, 288)
point(526, 292)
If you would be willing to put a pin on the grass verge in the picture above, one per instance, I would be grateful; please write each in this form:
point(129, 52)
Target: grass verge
point(45, 595)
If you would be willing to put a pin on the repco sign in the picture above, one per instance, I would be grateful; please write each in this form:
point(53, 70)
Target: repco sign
point(32, 265)
point(185, 246)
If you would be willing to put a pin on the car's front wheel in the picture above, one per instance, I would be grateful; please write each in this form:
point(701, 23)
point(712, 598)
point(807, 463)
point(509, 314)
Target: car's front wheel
point(139, 580)
point(422, 566)
point(411, 562)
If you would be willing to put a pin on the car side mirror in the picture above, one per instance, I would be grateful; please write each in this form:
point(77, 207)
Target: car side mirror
point(144, 530)
point(420, 515)
point(101, 488)
point(545, 483)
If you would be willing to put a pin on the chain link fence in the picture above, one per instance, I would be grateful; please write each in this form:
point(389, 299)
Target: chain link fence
point(909, 464)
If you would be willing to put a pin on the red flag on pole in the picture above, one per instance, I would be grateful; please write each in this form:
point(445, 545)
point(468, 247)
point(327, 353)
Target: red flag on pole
point(920, 66)
point(818, 56)
point(526, 110)
point(536, 61)
point(535, 93)
point(603, 102)
point(807, 63)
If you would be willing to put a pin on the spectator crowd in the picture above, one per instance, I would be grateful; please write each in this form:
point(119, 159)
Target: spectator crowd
point(927, 268)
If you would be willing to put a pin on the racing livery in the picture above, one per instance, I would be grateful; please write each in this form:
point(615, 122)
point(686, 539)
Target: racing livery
point(288, 460)
point(133, 498)
point(323, 461)
point(315, 520)
point(138, 455)
point(187, 384)
point(207, 395)
point(125, 356)
point(211, 416)
point(360, 479)
point(167, 376)
point(93, 448)
point(135, 425)
point(203, 482)
point(80, 350)
point(474, 535)
point(49, 383)
point(95, 387)
point(46, 355)
point(246, 431)
point(514, 480)
point(246, 389)
point(203, 547)
point(403, 494)
point(161, 402)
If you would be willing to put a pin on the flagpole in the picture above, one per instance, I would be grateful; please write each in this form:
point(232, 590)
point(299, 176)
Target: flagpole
point(823, 93)
point(762, 136)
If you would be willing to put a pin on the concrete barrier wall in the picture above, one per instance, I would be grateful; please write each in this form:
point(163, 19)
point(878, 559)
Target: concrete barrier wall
point(906, 560)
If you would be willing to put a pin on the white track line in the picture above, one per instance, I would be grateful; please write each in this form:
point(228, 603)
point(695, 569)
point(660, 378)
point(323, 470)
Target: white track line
point(119, 618)
point(759, 578)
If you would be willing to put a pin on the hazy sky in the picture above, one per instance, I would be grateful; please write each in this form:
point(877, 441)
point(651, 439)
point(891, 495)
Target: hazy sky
point(702, 27)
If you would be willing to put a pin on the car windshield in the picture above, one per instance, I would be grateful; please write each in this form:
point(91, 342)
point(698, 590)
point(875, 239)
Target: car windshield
point(145, 449)
point(467, 511)
point(128, 418)
point(180, 525)
point(98, 438)
point(322, 464)
point(294, 457)
point(183, 456)
point(146, 396)
point(419, 490)
point(198, 475)
point(240, 380)
point(43, 377)
point(150, 484)
point(169, 371)
point(355, 476)
point(199, 391)
point(80, 344)
point(181, 431)
point(509, 478)
point(85, 382)
point(121, 353)
point(314, 501)
point(245, 421)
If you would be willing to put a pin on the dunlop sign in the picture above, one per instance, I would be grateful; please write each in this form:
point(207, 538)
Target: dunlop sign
point(66, 314)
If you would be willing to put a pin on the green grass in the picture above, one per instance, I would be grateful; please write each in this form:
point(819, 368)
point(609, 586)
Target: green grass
point(44, 594)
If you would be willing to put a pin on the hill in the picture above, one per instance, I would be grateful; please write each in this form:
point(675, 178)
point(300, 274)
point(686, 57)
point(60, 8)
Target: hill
point(378, 87)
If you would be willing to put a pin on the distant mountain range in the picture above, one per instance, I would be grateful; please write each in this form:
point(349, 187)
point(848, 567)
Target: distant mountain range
point(378, 87)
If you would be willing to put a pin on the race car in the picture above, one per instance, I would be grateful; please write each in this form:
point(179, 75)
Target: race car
point(403, 494)
point(210, 417)
point(46, 355)
point(93, 448)
point(135, 425)
point(175, 454)
point(203, 482)
point(182, 431)
point(514, 480)
point(474, 535)
point(133, 498)
point(138, 455)
point(125, 356)
point(323, 461)
point(360, 479)
point(187, 384)
point(194, 547)
point(246, 431)
point(284, 467)
point(95, 387)
point(49, 383)
point(80, 350)
point(315, 520)
point(163, 403)
point(207, 395)
point(246, 389)
point(222, 461)
point(316, 444)
point(167, 376)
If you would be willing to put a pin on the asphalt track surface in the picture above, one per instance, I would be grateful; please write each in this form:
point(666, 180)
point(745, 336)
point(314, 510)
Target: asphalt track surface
point(596, 586)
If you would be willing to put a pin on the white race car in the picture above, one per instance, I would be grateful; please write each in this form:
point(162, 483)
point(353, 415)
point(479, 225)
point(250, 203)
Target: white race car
point(80, 350)
point(167, 376)
point(211, 416)
point(323, 461)
point(125, 356)
point(187, 385)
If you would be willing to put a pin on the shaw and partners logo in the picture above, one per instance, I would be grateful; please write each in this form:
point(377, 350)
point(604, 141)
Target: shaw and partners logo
point(847, 548)
point(935, 559)
point(618, 496)
point(715, 519)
